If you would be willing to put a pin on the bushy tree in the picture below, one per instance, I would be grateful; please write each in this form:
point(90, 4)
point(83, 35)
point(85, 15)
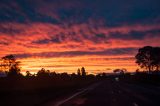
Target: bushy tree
point(120, 71)
point(28, 74)
point(11, 65)
point(43, 73)
point(148, 58)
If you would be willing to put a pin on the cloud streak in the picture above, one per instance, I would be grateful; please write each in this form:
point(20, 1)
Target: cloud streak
point(108, 52)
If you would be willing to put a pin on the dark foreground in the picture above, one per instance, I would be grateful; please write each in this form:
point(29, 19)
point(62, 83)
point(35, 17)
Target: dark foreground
point(141, 89)
point(112, 93)
point(36, 91)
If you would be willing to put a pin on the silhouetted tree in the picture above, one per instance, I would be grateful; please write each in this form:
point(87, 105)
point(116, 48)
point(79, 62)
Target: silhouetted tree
point(7, 62)
point(10, 64)
point(64, 75)
point(144, 57)
point(83, 71)
point(43, 73)
point(120, 71)
point(78, 72)
point(28, 74)
point(13, 71)
point(149, 58)
point(73, 75)
point(137, 71)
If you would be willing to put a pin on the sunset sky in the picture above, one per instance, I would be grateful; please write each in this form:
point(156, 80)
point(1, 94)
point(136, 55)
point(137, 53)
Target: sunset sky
point(63, 35)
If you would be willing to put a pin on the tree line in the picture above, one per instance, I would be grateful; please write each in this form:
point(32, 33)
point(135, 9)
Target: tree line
point(11, 67)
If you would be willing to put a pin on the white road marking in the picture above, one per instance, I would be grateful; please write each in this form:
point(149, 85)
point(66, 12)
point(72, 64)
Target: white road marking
point(76, 94)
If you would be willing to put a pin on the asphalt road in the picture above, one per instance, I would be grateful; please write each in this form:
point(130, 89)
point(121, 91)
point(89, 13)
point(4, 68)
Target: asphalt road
point(112, 93)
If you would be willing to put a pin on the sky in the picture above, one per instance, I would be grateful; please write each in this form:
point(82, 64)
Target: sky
point(64, 35)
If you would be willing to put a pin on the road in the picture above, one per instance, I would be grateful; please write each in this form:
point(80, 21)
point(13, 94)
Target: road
point(112, 93)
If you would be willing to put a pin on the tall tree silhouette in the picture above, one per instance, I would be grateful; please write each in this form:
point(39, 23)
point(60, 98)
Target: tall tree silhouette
point(149, 58)
point(83, 71)
point(78, 72)
point(144, 57)
point(11, 65)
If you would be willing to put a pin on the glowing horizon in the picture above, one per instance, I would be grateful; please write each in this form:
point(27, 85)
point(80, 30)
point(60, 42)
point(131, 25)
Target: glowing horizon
point(71, 65)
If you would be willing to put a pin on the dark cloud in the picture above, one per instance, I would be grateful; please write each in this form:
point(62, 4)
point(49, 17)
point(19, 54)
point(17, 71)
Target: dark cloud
point(134, 35)
point(10, 30)
point(100, 35)
point(4, 43)
point(53, 39)
point(118, 51)
point(113, 58)
point(97, 38)
point(22, 11)
point(44, 41)
point(74, 11)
